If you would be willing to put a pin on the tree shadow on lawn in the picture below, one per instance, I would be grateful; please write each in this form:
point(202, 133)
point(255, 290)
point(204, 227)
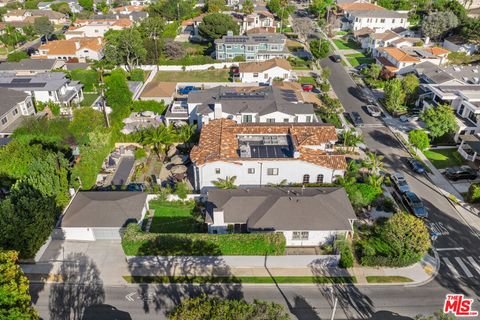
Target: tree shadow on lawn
point(204, 261)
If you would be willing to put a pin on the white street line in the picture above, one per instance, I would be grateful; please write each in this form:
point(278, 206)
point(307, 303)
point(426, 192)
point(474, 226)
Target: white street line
point(464, 267)
point(449, 249)
point(451, 267)
point(474, 264)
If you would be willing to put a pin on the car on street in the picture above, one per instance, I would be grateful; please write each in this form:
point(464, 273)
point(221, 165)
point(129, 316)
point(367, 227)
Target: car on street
point(460, 173)
point(187, 89)
point(399, 182)
point(362, 66)
point(373, 110)
point(356, 119)
point(416, 166)
point(307, 87)
point(414, 204)
point(335, 58)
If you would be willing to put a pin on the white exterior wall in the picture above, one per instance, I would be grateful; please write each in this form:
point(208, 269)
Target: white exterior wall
point(468, 48)
point(265, 76)
point(315, 238)
point(377, 25)
point(291, 170)
point(85, 234)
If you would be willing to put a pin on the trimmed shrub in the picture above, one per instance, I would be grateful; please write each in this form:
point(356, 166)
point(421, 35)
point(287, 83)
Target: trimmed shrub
point(140, 153)
point(362, 194)
point(473, 195)
point(419, 138)
point(346, 255)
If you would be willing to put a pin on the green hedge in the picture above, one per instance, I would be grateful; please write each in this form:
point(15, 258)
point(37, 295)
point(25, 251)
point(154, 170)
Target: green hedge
point(473, 195)
point(362, 194)
point(138, 243)
point(89, 78)
point(346, 255)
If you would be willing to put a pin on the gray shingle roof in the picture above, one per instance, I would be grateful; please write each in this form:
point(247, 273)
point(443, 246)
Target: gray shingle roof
point(377, 14)
point(9, 98)
point(48, 81)
point(262, 101)
point(107, 209)
point(283, 209)
point(28, 64)
point(253, 39)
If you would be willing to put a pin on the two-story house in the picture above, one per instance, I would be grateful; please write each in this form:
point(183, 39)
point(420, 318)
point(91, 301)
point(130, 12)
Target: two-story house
point(371, 41)
point(244, 105)
point(258, 21)
point(32, 66)
point(44, 87)
point(14, 106)
point(358, 15)
point(403, 60)
point(261, 154)
point(79, 48)
point(265, 71)
point(256, 47)
point(96, 28)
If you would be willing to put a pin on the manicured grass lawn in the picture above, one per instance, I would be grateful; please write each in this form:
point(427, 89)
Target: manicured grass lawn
point(345, 45)
point(242, 279)
point(341, 33)
point(217, 75)
point(307, 80)
point(88, 99)
point(299, 64)
point(358, 59)
point(387, 279)
point(444, 158)
point(285, 29)
point(172, 217)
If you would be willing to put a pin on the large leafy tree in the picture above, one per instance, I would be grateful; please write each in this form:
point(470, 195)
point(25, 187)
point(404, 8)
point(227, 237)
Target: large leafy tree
point(27, 219)
point(471, 30)
point(43, 26)
point(439, 120)
point(410, 84)
point(212, 6)
point(125, 47)
point(214, 308)
point(85, 120)
point(216, 25)
point(160, 138)
point(14, 295)
point(173, 9)
point(320, 7)
point(86, 4)
point(436, 25)
point(320, 48)
point(118, 95)
point(395, 96)
point(419, 138)
point(248, 7)
point(11, 36)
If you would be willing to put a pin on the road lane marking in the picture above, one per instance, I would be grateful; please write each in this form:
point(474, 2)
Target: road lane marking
point(449, 249)
point(474, 264)
point(451, 267)
point(129, 296)
point(464, 267)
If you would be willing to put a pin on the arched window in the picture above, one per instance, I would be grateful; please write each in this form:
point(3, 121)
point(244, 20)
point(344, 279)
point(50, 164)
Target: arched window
point(306, 178)
point(320, 178)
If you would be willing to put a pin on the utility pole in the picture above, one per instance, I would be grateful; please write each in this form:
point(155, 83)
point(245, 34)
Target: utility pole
point(335, 301)
point(178, 11)
point(156, 48)
point(104, 107)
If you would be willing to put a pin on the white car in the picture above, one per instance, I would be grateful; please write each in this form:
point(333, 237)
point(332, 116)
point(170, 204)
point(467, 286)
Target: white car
point(374, 110)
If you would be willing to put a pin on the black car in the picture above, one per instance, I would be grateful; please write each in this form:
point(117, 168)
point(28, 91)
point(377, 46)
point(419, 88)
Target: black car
point(336, 58)
point(459, 173)
point(357, 119)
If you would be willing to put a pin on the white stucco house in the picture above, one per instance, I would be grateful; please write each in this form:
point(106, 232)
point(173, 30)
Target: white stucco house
point(403, 60)
point(265, 71)
point(96, 28)
point(258, 154)
point(77, 48)
point(307, 217)
point(457, 43)
point(101, 215)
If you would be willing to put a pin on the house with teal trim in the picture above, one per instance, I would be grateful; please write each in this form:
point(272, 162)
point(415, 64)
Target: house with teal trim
point(256, 47)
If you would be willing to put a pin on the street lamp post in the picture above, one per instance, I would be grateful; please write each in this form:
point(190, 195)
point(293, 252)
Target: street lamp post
point(335, 301)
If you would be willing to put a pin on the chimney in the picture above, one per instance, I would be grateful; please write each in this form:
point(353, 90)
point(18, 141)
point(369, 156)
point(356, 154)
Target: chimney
point(229, 33)
point(117, 17)
point(99, 40)
point(217, 111)
point(130, 17)
point(77, 45)
point(427, 40)
point(218, 218)
point(296, 154)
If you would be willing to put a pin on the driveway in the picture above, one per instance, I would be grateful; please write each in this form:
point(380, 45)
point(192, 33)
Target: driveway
point(123, 170)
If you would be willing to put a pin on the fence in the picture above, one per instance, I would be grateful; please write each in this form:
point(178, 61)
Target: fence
point(199, 67)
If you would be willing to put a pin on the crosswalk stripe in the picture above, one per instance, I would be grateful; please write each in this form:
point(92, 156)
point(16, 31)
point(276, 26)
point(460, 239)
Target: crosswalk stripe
point(464, 267)
point(451, 267)
point(474, 264)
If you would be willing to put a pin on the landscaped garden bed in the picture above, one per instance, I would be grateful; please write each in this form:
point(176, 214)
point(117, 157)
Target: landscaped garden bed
point(217, 75)
point(241, 279)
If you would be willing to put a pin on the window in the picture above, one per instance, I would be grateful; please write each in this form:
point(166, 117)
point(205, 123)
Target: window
point(228, 47)
point(255, 75)
point(4, 120)
point(382, 20)
point(308, 119)
point(393, 20)
point(300, 235)
point(272, 172)
point(285, 120)
point(271, 120)
point(15, 112)
point(460, 111)
point(251, 170)
point(306, 178)
point(250, 48)
point(320, 178)
point(265, 75)
point(247, 118)
point(217, 170)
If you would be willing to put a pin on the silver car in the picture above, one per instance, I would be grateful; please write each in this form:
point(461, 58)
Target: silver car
point(399, 182)
point(374, 110)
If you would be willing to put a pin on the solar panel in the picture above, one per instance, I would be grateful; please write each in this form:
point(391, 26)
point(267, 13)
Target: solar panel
point(22, 80)
point(23, 85)
point(262, 151)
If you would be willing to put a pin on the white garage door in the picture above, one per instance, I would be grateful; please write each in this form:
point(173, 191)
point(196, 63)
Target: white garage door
point(106, 233)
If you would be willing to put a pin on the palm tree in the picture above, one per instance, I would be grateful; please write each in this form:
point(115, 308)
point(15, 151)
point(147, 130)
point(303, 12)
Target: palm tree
point(374, 162)
point(227, 183)
point(160, 139)
point(350, 139)
point(375, 180)
point(248, 7)
point(186, 132)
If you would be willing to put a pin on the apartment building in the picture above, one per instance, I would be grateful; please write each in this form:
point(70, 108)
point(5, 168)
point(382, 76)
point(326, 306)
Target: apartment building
point(256, 47)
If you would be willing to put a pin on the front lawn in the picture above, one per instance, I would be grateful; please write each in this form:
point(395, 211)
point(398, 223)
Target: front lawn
point(173, 217)
point(307, 80)
point(387, 279)
point(358, 59)
point(299, 64)
point(217, 75)
point(135, 242)
point(346, 44)
point(88, 99)
point(444, 158)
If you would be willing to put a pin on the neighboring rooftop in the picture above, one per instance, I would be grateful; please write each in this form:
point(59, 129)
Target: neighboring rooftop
point(377, 14)
point(219, 141)
point(9, 98)
point(48, 81)
point(71, 46)
point(32, 65)
point(360, 6)
point(107, 209)
point(465, 73)
point(265, 65)
point(254, 39)
point(158, 89)
point(283, 209)
point(413, 54)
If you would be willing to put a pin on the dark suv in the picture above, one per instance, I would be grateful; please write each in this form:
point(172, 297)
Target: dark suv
point(458, 173)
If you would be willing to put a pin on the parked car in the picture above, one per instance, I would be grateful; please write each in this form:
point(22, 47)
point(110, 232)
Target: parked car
point(374, 110)
point(357, 119)
point(459, 173)
point(307, 87)
point(415, 165)
point(415, 204)
point(187, 89)
point(362, 66)
point(399, 182)
point(335, 58)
